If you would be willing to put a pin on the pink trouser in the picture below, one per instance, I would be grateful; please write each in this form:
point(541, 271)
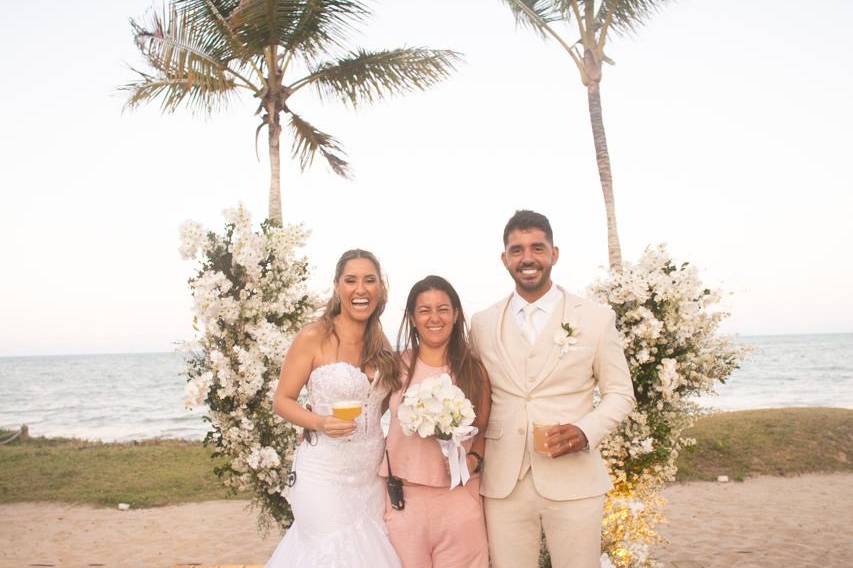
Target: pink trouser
point(439, 528)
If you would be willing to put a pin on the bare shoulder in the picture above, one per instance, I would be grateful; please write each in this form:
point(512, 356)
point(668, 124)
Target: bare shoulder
point(310, 338)
point(314, 331)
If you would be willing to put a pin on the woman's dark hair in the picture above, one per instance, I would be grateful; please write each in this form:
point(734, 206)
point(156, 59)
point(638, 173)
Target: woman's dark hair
point(376, 352)
point(524, 220)
point(466, 367)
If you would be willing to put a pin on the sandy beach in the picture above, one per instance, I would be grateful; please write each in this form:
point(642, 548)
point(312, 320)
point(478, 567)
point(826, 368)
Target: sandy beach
point(804, 521)
point(769, 521)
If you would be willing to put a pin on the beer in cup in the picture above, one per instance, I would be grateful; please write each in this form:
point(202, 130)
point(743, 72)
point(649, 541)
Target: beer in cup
point(346, 409)
point(540, 435)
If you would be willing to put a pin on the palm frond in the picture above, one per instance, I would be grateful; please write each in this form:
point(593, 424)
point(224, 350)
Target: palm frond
point(627, 15)
point(308, 140)
point(534, 14)
point(176, 90)
point(170, 44)
point(323, 25)
point(184, 71)
point(209, 20)
point(364, 76)
point(624, 15)
point(311, 26)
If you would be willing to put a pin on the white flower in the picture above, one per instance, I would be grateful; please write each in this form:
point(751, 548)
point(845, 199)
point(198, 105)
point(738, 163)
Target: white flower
point(669, 334)
point(239, 217)
point(566, 336)
point(426, 428)
point(197, 390)
point(192, 238)
point(263, 458)
point(249, 251)
point(249, 298)
point(435, 407)
point(669, 378)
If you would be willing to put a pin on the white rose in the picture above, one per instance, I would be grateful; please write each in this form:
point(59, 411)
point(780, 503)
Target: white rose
point(426, 428)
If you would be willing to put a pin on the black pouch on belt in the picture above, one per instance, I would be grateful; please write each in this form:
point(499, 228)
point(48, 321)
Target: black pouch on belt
point(395, 488)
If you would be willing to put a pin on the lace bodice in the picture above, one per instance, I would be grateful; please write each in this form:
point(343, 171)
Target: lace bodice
point(354, 458)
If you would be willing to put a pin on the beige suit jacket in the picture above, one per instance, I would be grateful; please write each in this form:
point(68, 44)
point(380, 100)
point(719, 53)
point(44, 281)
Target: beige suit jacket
point(538, 384)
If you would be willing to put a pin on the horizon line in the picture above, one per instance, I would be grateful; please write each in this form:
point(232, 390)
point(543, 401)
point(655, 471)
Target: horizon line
point(146, 352)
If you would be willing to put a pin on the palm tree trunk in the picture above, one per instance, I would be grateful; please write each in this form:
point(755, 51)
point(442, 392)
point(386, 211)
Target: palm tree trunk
point(274, 105)
point(275, 164)
point(614, 250)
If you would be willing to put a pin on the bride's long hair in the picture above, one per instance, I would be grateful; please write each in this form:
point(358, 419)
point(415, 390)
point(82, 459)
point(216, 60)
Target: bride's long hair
point(376, 351)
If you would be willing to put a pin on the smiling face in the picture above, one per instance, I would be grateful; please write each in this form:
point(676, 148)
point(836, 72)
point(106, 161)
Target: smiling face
point(529, 256)
point(434, 318)
point(360, 289)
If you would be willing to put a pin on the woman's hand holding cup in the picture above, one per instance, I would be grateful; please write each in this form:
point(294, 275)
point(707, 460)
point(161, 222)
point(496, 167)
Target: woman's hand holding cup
point(335, 427)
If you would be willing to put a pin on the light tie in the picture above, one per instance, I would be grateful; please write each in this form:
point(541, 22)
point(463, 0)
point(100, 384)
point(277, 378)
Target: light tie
point(529, 310)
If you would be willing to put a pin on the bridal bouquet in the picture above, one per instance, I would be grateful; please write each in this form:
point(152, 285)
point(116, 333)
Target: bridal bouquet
point(437, 407)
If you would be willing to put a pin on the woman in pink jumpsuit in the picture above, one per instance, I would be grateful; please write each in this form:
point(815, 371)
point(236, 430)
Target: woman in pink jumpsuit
point(437, 527)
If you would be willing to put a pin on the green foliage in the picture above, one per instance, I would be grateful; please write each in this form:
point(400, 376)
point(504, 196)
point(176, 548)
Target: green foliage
point(618, 15)
point(202, 52)
point(786, 442)
point(250, 296)
point(146, 474)
point(779, 441)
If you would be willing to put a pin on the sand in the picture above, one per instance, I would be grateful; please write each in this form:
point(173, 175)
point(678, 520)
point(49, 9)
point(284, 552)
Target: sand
point(793, 522)
point(804, 521)
point(214, 532)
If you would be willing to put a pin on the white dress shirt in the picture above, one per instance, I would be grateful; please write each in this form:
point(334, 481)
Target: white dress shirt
point(542, 310)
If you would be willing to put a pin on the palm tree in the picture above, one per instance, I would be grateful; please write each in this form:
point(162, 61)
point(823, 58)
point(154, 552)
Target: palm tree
point(203, 52)
point(594, 21)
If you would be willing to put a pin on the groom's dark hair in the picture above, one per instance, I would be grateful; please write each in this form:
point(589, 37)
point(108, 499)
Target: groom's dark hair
point(524, 220)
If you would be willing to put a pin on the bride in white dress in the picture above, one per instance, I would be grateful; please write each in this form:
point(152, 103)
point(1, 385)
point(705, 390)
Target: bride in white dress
point(337, 498)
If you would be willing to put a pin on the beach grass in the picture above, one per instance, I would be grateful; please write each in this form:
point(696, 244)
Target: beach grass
point(781, 442)
point(142, 474)
point(160, 472)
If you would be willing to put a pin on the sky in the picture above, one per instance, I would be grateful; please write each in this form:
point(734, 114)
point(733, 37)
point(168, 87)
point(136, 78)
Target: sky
point(729, 125)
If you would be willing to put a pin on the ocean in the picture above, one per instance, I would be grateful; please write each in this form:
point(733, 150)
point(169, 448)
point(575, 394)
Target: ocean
point(139, 396)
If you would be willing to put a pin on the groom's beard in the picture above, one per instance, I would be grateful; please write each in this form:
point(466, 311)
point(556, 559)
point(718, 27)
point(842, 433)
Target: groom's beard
point(532, 286)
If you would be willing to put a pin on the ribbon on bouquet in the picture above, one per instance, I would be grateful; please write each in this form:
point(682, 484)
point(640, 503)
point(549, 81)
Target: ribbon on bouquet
point(457, 456)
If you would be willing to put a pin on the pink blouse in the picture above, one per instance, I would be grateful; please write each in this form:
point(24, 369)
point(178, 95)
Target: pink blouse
point(414, 459)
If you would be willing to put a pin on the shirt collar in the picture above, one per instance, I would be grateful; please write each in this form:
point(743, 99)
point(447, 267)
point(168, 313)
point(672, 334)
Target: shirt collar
point(546, 303)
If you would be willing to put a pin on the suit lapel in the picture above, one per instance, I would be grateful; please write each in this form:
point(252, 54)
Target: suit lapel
point(570, 304)
point(516, 374)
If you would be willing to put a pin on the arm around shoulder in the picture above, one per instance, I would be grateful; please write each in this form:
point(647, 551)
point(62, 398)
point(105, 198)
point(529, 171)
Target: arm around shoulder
point(481, 421)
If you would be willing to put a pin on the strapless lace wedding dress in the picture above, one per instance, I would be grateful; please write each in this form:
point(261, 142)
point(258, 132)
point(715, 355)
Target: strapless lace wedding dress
point(338, 499)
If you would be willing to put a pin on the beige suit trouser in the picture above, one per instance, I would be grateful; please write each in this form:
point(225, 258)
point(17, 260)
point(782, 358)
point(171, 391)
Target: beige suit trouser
point(572, 529)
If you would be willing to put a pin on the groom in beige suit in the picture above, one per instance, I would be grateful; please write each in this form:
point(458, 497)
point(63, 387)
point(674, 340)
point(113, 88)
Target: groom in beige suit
point(546, 351)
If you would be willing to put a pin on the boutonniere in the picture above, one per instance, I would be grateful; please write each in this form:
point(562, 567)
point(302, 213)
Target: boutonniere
point(566, 337)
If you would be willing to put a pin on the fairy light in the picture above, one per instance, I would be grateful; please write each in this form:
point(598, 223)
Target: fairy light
point(631, 512)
